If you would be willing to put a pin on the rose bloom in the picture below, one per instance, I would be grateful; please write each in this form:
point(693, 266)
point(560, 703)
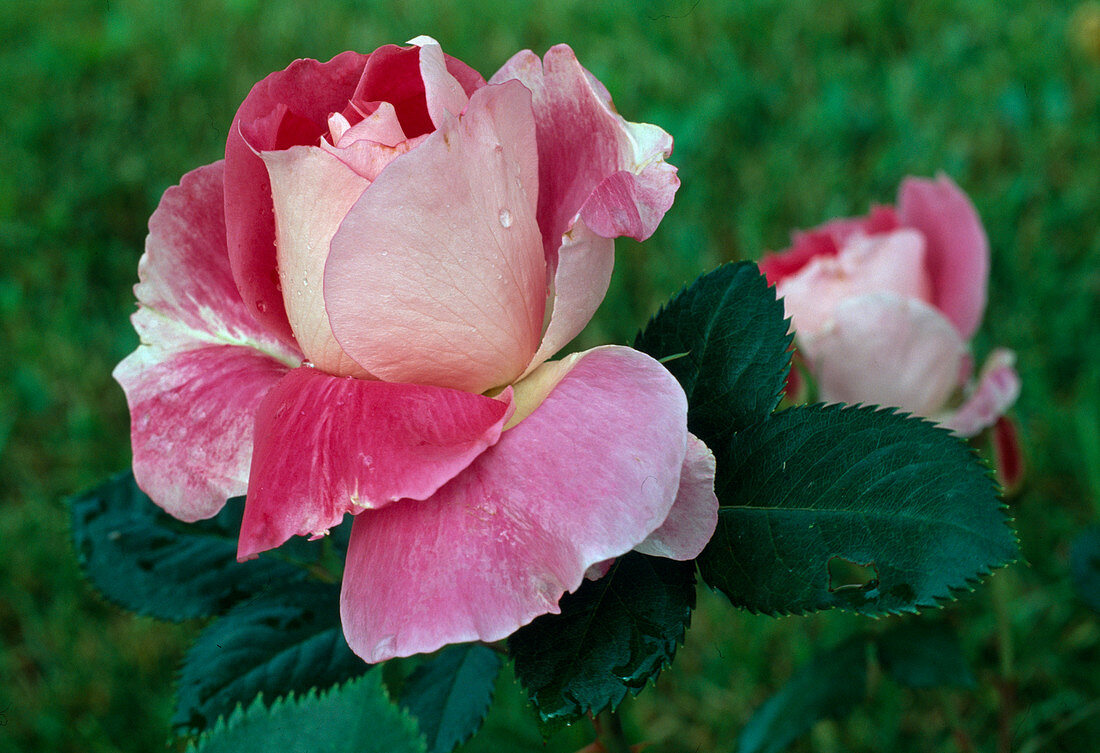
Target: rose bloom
point(353, 312)
point(884, 306)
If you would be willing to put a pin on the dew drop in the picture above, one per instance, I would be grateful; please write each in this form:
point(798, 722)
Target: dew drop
point(505, 218)
point(261, 307)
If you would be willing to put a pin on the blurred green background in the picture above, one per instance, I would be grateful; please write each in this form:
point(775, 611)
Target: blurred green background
point(784, 114)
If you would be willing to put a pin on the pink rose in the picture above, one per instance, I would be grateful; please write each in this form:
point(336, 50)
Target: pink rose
point(884, 306)
point(352, 314)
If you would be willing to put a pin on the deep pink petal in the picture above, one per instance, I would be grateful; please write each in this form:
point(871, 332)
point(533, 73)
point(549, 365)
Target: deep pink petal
point(584, 143)
point(825, 240)
point(288, 107)
point(958, 250)
point(1009, 455)
point(886, 350)
point(694, 516)
point(204, 364)
point(436, 276)
point(997, 389)
point(579, 280)
point(585, 478)
point(326, 446)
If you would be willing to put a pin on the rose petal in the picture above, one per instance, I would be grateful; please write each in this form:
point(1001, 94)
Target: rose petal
point(694, 515)
point(586, 477)
point(311, 191)
point(1009, 455)
point(286, 108)
point(436, 275)
point(380, 126)
point(892, 262)
point(443, 93)
point(825, 240)
point(887, 350)
point(996, 392)
point(584, 145)
point(326, 446)
point(958, 250)
point(579, 278)
point(205, 363)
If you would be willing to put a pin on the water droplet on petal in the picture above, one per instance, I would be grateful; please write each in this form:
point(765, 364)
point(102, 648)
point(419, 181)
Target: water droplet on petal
point(505, 218)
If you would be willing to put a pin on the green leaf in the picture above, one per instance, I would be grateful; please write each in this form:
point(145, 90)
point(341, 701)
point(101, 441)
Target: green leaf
point(851, 507)
point(450, 693)
point(829, 687)
point(1084, 565)
point(354, 718)
point(920, 653)
point(145, 560)
point(285, 640)
point(727, 343)
point(613, 635)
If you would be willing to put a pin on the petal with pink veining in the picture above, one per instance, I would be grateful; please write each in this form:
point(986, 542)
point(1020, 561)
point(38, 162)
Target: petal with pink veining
point(579, 279)
point(587, 476)
point(997, 389)
point(958, 250)
point(436, 275)
point(884, 349)
point(204, 363)
point(591, 160)
point(694, 515)
point(326, 446)
point(286, 108)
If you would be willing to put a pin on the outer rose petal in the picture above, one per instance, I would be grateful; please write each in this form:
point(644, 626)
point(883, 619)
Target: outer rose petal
point(694, 516)
point(891, 263)
point(579, 278)
point(958, 250)
point(591, 160)
point(586, 477)
point(996, 392)
point(887, 350)
point(326, 446)
point(286, 108)
point(436, 275)
point(194, 384)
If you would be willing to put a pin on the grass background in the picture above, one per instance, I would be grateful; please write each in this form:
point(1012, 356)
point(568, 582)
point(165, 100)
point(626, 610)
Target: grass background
point(784, 113)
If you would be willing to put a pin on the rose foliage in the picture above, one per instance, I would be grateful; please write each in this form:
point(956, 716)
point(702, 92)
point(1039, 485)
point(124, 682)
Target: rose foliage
point(344, 375)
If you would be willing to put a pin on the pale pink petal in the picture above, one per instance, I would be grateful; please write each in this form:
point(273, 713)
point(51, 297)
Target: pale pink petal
point(369, 158)
point(326, 446)
point(380, 126)
point(958, 250)
point(694, 516)
point(286, 108)
point(192, 417)
point(583, 144)
point(442, 91)
point(204, 363)
point(825, 240)
point(436, 275)
point(997, 389)
point(886, 350)
point(891, 262)
point(585, 478)
point(579, 280)
point(311, 191)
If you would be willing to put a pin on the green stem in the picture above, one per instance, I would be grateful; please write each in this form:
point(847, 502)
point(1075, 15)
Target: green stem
point(609, 731)
point(1001, 595)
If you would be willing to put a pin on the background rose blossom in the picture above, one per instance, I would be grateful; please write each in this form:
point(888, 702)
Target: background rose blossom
point(884, 306)
point(410, 244)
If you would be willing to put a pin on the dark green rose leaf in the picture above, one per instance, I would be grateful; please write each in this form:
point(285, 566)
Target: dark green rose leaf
point(829, 687)
point(726, 342)
point(1084, 564)
point(852, 507)
point(285, 640)
point(613, 635)
point(145, 560)
point(354, 718)
point(921, 653)
point(450, 693)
